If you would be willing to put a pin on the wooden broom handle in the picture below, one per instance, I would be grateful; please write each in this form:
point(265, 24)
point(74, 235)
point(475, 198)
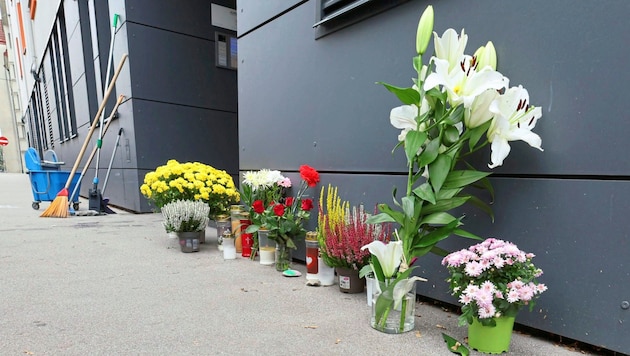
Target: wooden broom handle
point(109, 121)
point(96, 120)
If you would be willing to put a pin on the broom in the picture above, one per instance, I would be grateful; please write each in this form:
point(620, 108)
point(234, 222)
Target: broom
point(59, 206)
point(91, 156)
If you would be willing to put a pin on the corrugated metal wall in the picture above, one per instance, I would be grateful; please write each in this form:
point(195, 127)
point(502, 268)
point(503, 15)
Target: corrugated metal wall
point(314, 101)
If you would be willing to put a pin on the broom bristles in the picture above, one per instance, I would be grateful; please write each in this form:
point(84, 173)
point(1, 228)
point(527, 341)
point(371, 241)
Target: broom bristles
point(59, 206)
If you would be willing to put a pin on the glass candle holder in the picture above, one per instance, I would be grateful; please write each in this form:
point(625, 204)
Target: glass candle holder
point(266, 248)
point(312, 252)
point(223, 225)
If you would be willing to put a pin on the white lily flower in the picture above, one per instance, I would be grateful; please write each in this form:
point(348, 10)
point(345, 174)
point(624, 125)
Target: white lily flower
point(450, 46)
point(486, 56)
point(514, 119)
point(403, 287)
point(388, 255)
point(404, 118)
point(464, 84)
point(479, 112)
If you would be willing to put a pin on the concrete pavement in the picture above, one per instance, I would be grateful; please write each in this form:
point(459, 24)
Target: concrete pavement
point(116, 285)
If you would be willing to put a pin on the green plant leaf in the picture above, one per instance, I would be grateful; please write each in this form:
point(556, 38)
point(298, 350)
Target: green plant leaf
point(386, 215)
point(438, 171)
point(448, 193)
point(455, 346)
point(476, 133)
point(425, 192)
point(408, 206)
point(407, 96)
point(483, 206)
point(462, 178)
point(413, 142)
point(450, 135)
point(456, 115)
point(438, 218)
point(430, 153)
point(438, 234)
point(445, 205)
point(439, 251)
point(466, 234)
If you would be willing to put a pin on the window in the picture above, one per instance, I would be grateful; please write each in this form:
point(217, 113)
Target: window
point(333, 15)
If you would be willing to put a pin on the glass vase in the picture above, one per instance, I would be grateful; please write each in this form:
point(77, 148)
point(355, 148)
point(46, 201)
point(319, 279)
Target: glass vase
point(389, 316)
point(283, 257)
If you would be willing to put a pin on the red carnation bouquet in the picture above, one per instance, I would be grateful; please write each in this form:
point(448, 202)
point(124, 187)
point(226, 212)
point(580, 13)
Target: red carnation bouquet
point(284, 218)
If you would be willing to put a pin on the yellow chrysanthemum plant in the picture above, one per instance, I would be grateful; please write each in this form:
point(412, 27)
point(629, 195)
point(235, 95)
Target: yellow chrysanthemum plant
point(190, 181)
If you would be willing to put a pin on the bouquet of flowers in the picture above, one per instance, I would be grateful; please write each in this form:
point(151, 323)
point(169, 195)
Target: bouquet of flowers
point(491, 279)
point(457, 105)
point(283, 217)
point(185, 216)
point(190, 181)
point(342, 232)
point(266, 186)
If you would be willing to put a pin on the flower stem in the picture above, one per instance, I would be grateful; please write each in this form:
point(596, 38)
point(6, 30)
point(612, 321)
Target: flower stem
point(403, 313)
point(382, 322)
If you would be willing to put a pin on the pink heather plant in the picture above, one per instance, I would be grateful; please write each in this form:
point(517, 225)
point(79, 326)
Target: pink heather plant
point(491, 279)
point(343, 243)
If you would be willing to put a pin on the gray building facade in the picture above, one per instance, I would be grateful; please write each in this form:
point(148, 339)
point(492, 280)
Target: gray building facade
point(180, 95)
point(307, 94)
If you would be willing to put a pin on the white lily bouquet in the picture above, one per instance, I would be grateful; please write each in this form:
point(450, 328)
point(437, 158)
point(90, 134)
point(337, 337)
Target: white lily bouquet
point(457, 105)
point(392, 289)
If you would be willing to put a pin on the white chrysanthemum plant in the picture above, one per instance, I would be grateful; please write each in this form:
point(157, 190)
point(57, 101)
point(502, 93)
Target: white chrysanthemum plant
point(185, 216)
point(457, 105)
point(491, 279)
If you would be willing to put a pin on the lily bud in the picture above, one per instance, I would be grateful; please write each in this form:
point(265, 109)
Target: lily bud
point(486, 56)
point(425, 29)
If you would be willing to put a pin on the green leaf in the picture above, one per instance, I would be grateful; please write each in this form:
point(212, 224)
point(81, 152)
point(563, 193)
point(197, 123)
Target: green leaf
point(439, 251)
point(425, 192)
point(438, 218)
point(408, 206)
point(466, 234)
point(380, 218)
point(456, 115)
point(393, 214)
point(455, 346)
point(377, 268)
point(413, 142)
point(430, 153)
point(445, 205)
point(483, 206)
point(407, 96)
point(462, 178)
point(476, 133)
point(252, 228)
point(438, 171)
point(448, 193)
point(437, 235)
point(450, 135)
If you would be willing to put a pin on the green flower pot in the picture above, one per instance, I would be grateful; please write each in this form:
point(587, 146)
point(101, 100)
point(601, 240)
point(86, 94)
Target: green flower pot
point(491, 339)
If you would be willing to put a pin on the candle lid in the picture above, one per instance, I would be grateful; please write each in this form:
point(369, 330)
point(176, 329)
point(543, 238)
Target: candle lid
point(222, 217)
point(311, 236)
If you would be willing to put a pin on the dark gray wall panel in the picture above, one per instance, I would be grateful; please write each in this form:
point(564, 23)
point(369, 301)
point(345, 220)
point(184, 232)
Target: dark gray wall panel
point(180, 70)
point(165, 131)
point(324, 89)
point(190, 17)
point(314, 101)
point(252, 13)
